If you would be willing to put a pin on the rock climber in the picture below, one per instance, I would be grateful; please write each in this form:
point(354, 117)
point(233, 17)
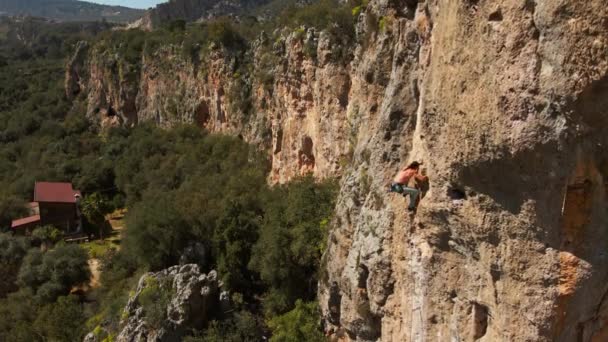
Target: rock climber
point(401, 183)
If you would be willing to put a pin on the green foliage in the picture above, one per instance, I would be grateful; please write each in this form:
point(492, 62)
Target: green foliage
point(154, 299)
point(34, 38)
point(12, 251)
point(177, 25)
point(222, 32)
point(68, 11)
point(95, 207)
point(300, 324)
point(287, 255)
point(17, 313)
point(240, 327)
point(119, 275)
point(54, 273)
point(192, 187)
point(358, 8)
point(24, 319)
point(384, 24)
point(265, 70)
point(239, 93)
point(47, 236)
point(61, 321)
point(10, 207)
point(182, 186)
point(323, 14)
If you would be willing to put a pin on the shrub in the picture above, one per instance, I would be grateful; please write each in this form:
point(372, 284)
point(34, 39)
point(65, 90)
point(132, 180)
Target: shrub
point(300, 324)
point(154, 299)
point(222, 32)
point(54, 273)
point(61, 321)
point(12, 251)
point(288, 252)
point(47, 236)
point(239, 327)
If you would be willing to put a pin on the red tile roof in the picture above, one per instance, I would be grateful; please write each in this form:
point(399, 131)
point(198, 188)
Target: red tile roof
point(25, 221)
point(55, 192)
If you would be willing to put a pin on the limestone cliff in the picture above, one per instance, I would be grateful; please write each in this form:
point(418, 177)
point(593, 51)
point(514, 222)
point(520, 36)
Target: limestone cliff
point(505, 101)
point(289, 100)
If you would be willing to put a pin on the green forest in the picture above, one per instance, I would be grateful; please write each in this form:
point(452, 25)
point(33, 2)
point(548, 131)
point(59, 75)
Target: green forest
point(177, 187)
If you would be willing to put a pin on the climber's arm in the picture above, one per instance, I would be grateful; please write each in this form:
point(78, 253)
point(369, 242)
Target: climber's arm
point(421, 178)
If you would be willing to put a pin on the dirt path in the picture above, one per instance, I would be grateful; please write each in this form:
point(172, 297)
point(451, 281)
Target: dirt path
point(94, 266)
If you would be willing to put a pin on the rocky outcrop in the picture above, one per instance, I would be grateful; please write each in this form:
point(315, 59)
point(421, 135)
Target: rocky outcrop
point(76, 73)
point(505, 103)
point(194, 299)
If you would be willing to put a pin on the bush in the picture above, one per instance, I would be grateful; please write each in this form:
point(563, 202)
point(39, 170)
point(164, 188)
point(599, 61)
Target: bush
point(154, 299)
point(61, 321)
point(222, 32)
point(47, 236)
point(17, 313)
point(54, 273)
point(11, 207)
point(240, 327)
point(292, 238)
point(12, 251)
point(300, 324)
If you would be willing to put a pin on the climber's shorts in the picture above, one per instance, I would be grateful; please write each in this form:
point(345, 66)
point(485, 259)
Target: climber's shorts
point(398, 188)
point(406, 191)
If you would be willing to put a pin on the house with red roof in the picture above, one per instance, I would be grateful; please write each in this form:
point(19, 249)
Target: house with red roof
point(54, 204)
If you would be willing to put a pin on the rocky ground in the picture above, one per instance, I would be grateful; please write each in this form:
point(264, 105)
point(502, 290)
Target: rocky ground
point(184, 297)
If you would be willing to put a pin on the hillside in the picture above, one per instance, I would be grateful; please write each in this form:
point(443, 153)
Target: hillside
point(199, 10)
point(502, 101)
point(69, 10)
point(251, 157)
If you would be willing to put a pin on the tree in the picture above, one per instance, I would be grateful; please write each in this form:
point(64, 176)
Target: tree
point(10, 208)
point(47, 236)
point(17, 312)
point(157, 233)
point(95, 208)
point(242, 326)
point(12, 251)
point(61, 321)
point(288, 253)
point(300, 324)
point(54, 273)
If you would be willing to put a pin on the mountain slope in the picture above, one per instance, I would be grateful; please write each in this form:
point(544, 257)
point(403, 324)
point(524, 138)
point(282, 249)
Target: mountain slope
point(193, 10)
point(69, 10)
point(504, 102)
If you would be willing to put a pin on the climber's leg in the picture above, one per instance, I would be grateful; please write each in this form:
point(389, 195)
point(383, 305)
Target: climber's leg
point(396, 187)
point(413, 193)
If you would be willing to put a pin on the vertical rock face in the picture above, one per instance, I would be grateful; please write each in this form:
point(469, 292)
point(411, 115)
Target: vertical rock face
point(505, 101)
point(298, 111)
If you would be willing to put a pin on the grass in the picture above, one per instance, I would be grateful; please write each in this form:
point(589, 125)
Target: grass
point(98, 248)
